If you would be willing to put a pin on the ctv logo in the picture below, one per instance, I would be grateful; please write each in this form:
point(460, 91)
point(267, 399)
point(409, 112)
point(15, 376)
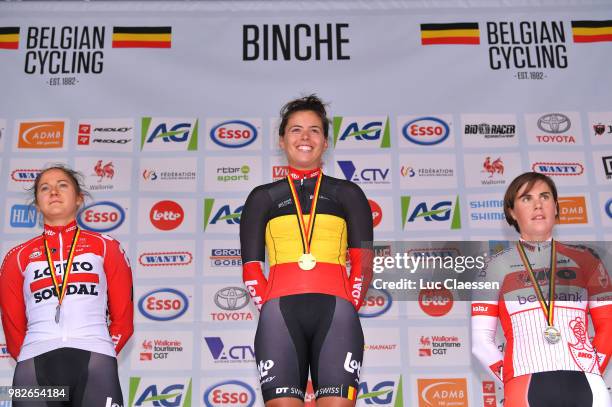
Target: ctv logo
point(359, 169)
point(230, 354)
point(430, 213)
point(163, 134)
point(222, 217)
point(361, 132)
point(381, 392)
point(159, 392)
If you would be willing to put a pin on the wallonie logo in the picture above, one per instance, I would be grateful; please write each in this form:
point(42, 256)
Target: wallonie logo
point(101, 217)
point(164, 304)
point(426, 131)
point(233, 134)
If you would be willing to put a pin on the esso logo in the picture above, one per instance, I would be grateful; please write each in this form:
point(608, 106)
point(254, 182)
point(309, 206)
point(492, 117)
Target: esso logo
point(436, 303)
point(101, 217)
point(164, 304)
point(376, 212)
point(233, 134)
point(166, 215)
point(230, 393)
point(375, 303)
point(426, 131)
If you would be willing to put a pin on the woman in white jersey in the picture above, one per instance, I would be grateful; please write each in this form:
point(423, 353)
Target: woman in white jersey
point(58, 292)
point(547, 291)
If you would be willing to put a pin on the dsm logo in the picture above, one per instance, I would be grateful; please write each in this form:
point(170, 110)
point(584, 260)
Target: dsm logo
point(164, 304)
point(430, 213)
point(168, 394)
point(162, 134)
point(230, 393)
point(357, 132)
point(233, 134)
point(220, 216)
point(426, 131)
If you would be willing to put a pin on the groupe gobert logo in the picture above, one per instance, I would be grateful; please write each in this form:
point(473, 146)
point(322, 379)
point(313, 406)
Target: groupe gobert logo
point(230, 393)
point(166, 215)
point(383, 393)
point(361, 131)
point(159, 134)
point(163, 304)
point(223, 214)
point(233, 133)
point(443, 211)
point(426, 131)
point(171, 394)
point(101, 217)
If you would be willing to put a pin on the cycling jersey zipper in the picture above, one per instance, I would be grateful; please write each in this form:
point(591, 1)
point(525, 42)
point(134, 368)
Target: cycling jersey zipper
point(61, 278)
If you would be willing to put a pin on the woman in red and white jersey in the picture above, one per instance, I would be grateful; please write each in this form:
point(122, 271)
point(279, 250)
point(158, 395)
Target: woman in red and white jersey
point(547, 292)
point(66, 300)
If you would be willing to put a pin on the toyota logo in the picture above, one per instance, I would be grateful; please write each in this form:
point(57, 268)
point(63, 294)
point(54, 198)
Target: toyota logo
point(554, 123)
point(231, 298)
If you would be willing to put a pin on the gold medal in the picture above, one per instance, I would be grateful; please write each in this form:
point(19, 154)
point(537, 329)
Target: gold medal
point(307, 261)
point(552, 335)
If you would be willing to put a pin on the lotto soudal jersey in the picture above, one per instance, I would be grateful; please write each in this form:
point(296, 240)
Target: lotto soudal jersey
point(582, 287)
point(342, 219)
point(99, 285)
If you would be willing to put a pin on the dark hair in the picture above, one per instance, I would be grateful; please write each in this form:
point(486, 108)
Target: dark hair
point(529, 179)
point(311, 103)
point(75, 177)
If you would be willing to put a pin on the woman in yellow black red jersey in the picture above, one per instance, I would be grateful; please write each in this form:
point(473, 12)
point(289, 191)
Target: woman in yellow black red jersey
point(308, 302)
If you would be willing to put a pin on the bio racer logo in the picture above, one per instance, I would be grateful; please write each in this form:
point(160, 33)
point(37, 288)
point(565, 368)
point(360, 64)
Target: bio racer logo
point(361, 132)
point(165, 134)
point(430, 213)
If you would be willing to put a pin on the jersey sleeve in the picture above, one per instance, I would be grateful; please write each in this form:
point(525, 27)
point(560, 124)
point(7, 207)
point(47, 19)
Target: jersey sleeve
point(485, 314)
point(599, 288)
point(360, 234)
point(252, 244)
point(120, 293)
point(12, 303)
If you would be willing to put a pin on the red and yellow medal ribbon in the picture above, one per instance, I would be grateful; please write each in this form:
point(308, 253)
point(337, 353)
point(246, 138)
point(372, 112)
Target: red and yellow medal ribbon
point(56, 283)
point(548, 309)
point(306, 230)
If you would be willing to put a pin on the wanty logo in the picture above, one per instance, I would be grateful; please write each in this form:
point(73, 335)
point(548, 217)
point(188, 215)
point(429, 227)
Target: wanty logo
point(233, 393)
point(441, 211)
point(25, 216)
point(164, 304)
point(442, 392)
point(387, 393)
point(492, 168)
point(41, 135)
point(436, 303)
point(156, 259)
point(169, 134)
point(24, 175)
point(233, 134)
point(173, 395)
point(104, 171)
point(223, 214)
point(553, 169)
point(101, 217)
point(426, 131)
point(572, 210)
point(237, 353)
point(358, 131)
point(364, 176)
point(376, 303)
point(377, 213)
point(166, 215)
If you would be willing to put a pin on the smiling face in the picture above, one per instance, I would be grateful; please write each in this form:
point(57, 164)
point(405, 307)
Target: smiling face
point(535, 211)
point(57, 197)
point(304, 141)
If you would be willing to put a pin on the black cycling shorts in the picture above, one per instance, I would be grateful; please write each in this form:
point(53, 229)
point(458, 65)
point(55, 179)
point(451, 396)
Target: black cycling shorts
point(92, 378)
point(559, 388)
point(317, 331)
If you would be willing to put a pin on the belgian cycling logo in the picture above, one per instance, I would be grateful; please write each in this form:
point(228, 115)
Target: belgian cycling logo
point(361, 132)
point(164, 392)
point(164, 304)
point(231, 393)
point(430, 213)
point(234, 133)
point(222, 218)
point(382, 392)
point(101, 216)
point(41, 135)
point(165, 134)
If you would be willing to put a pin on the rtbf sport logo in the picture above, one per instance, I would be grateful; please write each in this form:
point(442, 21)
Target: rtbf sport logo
point(82, 280)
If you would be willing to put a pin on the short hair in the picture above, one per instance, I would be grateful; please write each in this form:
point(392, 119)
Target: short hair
point(311, 103)
point(75, 177)
point(529, 179)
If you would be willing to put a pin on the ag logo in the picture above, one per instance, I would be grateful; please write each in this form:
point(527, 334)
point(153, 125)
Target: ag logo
point(232, 298)
point(430, 213)
point(360, 132)
point(383, 393)
point(169, 134)
point(220, 215)
point(169, 394)
point(166, 215)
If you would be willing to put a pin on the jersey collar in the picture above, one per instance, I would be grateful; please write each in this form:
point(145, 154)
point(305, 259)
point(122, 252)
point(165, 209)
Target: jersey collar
point(54, 230)
point(303, 174)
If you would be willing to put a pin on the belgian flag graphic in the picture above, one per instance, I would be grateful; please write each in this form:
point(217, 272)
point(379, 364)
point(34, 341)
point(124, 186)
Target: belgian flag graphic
point(450, 33)
point(142, 37)
point(592, 31)
point(9, 37)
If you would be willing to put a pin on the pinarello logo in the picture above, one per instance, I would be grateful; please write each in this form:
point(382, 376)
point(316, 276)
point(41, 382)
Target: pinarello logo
point(164, 304)
point(375, 303)
point(101, 217)
point(166, 215)
point(230, 393)
point(41, 134)
point(426, 131)
point(233, 134)
point(149, 259)
point(24, 175)
point(436, 303)
point(376, 212)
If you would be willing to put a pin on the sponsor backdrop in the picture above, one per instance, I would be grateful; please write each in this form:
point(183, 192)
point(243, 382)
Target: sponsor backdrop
point(170, 112)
